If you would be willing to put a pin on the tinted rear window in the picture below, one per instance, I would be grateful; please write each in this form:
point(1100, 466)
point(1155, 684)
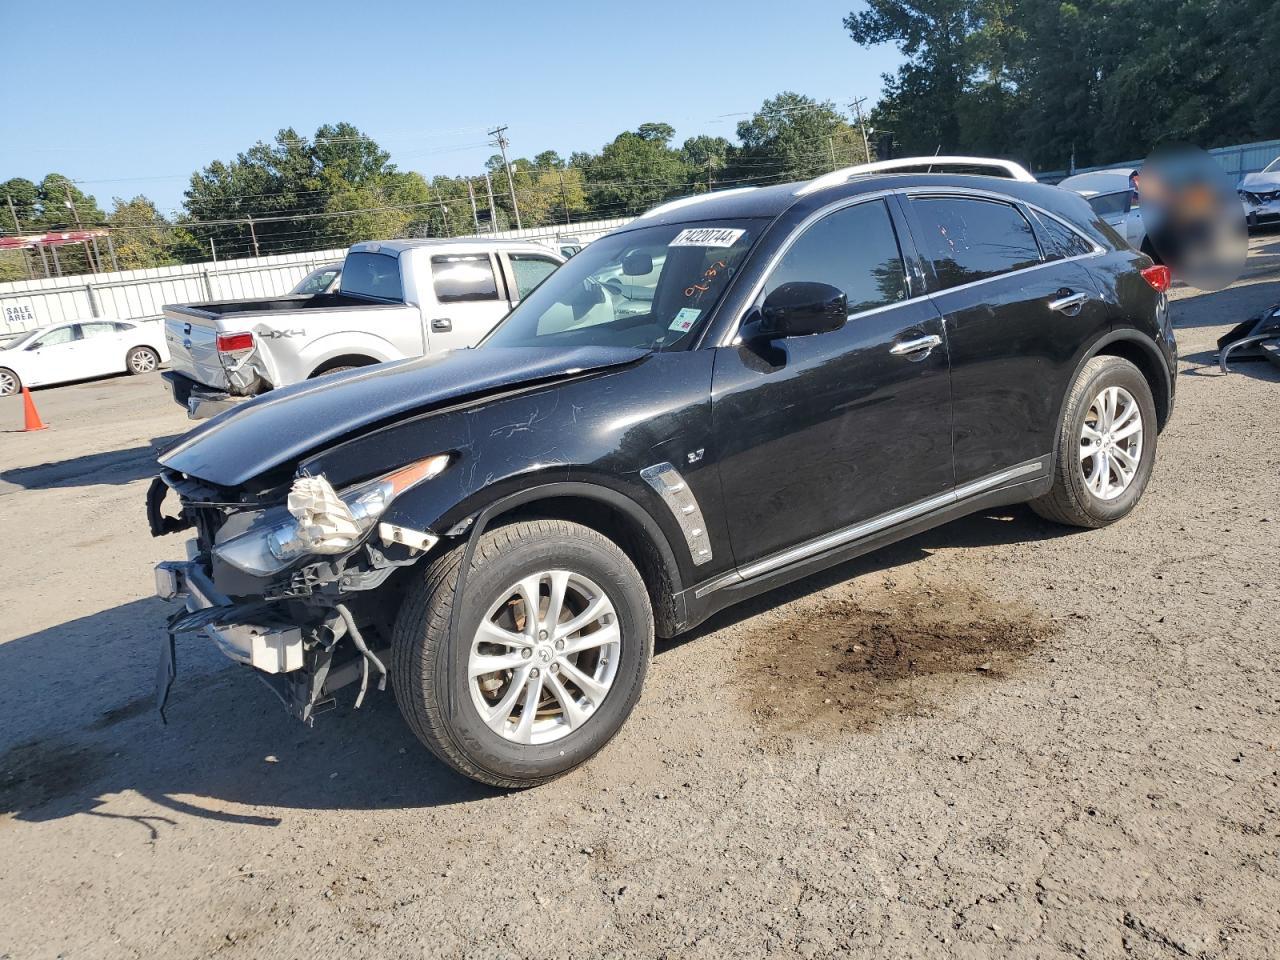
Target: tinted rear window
point(970, 240)
point(1110, 204)
point(1060, 240)
point(372, 275)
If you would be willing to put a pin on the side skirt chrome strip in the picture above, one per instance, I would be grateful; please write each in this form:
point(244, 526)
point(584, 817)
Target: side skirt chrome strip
point(873, 526)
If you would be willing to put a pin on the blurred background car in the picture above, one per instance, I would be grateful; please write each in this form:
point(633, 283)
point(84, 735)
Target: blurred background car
point(1260, 194)
point(78, 351)
point(323, 279)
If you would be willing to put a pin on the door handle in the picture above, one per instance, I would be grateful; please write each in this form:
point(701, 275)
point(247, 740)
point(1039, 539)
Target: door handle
point(918, 345)
point(441, 325)
point(1070, 305)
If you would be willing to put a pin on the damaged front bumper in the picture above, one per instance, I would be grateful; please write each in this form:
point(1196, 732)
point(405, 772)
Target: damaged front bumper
point(301, 662)
point(263, 645)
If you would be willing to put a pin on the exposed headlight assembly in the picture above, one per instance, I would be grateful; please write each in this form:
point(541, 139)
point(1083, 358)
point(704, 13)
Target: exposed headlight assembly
point(326, 522)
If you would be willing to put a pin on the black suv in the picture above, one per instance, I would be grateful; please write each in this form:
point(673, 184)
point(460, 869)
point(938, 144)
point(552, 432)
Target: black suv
point(732, 392)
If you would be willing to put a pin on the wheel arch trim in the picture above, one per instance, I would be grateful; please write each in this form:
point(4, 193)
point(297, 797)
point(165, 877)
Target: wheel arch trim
point(670, 614)
point(1127, 335)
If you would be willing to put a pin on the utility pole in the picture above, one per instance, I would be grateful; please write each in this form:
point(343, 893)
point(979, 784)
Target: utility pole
point(254, 233)
point(831, 144)
point(501, 143)
point(71, 203)
point(213, 248)
point(709, 173)
point(493, 214)
point(564, 197)
point(475, 217)
point(857, 107)
point(26, 261)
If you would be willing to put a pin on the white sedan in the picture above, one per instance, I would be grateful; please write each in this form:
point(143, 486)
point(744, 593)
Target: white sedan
point(76, 351)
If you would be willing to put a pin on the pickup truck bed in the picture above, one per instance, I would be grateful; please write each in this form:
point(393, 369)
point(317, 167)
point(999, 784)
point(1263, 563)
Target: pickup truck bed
point(400, 298)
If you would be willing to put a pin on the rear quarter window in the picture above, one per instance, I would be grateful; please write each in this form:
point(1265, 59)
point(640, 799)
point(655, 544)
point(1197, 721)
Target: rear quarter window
point(1060, 241)
point(1110, 204)
point(374, 275)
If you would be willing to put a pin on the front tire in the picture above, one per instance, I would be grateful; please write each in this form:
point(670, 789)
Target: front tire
point(10, 382)
point(1106, 446)
point(514, 700)
point(142, 360)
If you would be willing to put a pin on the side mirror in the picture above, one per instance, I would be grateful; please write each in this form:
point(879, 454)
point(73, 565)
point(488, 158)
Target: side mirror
point(801, 309)
point(637, 264)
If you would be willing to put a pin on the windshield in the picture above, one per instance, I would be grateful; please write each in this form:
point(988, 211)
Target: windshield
point(1273, 166)
point(317, 281)
point(651, 288)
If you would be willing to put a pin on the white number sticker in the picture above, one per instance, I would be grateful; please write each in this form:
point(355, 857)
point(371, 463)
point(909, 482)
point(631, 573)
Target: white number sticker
point(707, 237)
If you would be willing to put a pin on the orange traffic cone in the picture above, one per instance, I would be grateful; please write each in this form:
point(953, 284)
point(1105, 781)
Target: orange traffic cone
point(29, 414)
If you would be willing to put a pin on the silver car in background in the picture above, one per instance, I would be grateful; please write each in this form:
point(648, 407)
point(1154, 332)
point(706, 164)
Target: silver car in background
point(1113, 194)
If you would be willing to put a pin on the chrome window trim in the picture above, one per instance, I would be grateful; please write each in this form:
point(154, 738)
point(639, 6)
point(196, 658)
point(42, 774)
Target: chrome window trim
point(731, 335)
point(866, 528)
point(969, 193)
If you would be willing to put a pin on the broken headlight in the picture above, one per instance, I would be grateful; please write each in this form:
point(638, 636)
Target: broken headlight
point(323, 521)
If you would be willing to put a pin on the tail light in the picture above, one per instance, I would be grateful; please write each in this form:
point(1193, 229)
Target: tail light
point(234, 342)
point(1158, 276)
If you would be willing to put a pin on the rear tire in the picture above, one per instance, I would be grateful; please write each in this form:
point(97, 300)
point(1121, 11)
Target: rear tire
point(142, 360)
point(10, 382)
point(1103, 463)
point(434, 674)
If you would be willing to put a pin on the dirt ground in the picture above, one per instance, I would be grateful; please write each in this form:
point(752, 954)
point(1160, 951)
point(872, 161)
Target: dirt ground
point(998, 739)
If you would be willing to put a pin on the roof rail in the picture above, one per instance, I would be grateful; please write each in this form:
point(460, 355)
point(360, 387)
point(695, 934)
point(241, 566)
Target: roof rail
point(1013, 171)
point(689, 201)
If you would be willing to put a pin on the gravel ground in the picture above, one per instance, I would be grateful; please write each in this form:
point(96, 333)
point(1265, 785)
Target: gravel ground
point(998, 739)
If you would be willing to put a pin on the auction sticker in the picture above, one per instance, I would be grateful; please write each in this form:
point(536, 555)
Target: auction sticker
point(707, 237)
point(685, 318)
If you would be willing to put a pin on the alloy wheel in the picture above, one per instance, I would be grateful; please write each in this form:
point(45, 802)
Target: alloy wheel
point(544, 657)
point(1111, 443)
point(143, 361)
point(8, 383)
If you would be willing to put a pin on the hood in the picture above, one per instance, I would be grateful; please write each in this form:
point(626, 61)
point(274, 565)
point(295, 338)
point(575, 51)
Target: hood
point(281, 426)
point(1261, 182)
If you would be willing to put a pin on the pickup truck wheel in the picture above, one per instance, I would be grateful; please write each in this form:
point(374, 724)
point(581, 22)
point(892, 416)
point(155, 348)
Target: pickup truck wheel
point(142, 360)
point(554, 638)
point(1106, 446)
point(9, 382)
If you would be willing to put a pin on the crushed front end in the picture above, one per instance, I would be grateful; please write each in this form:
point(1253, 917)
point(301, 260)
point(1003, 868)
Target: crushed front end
point(281, 579)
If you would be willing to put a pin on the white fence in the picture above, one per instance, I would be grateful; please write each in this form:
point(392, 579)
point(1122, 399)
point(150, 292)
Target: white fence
point(141, 294)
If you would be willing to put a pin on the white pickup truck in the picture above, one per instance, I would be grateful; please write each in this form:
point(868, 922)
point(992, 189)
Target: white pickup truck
point(398, 298)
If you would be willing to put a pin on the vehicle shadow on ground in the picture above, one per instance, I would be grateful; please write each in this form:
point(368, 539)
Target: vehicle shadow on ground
point(81, 728)
point(1233, 305)
point(1003, 525)
point(114, 467)
point(1205, 364)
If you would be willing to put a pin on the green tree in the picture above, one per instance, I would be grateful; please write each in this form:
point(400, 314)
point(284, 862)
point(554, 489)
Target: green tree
point(297, 192)
point(635, 171)
point(794, 137)
point(921, 102)
point(25, 197)
point(143, 237)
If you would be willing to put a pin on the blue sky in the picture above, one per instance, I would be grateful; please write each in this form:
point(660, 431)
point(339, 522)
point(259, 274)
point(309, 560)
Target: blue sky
point(132, 97)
